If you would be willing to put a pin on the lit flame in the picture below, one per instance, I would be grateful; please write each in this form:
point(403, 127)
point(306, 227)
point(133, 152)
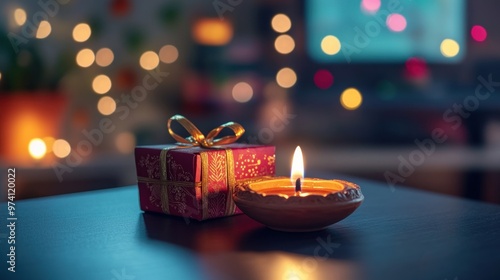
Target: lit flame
point(297, 166)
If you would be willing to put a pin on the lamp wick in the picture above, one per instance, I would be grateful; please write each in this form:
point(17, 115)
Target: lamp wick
point(298, 185)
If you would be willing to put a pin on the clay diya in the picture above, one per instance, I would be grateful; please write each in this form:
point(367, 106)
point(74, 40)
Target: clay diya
point(296, 204)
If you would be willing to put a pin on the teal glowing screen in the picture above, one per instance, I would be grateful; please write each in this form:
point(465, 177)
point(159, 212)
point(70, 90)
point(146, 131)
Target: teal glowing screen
point(345, 31)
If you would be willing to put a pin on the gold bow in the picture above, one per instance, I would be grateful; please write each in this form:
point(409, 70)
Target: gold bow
point(198, 139)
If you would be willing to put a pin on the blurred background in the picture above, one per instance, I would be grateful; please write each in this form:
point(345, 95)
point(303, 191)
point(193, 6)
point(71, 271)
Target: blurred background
point(399, 91)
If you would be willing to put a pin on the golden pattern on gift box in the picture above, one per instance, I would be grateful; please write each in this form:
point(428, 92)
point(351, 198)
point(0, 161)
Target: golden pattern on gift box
point(270, 159)
point(179, 195)
point(176, 171)
point(249, 165)
point(217, 178)
point(152, 165)
point(217, 169)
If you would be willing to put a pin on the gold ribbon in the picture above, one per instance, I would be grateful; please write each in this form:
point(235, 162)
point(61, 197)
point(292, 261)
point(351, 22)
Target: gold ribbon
point(198, 139)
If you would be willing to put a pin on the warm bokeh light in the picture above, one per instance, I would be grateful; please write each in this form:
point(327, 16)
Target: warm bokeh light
point(37, 148)
point(212, 31)
point(281, 23)
point(106, 105)
point(20, 16)
point(101, 84)
point(49, 141)
point(44, 30)
point(168, 54)
point(449, 48)
point(104, 57)
point(396, 22)
point(478, 33)
point(81, 32)
point(61, 148)
point(286, 77)
point(242, 92)
point(330, 45)
point(351, 99)
point(284, 44)
point(125, 142)
point(323, 79)
point(370, 6)
point(149, 60)
point(85, 58)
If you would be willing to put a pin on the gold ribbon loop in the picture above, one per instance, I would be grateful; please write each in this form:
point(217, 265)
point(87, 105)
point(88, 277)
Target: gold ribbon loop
point(198, 139)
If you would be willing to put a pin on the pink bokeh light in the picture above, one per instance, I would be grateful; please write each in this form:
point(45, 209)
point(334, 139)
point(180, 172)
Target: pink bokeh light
point(370, 6)
point(396, 22)
point(478, 33)
point(323, 79)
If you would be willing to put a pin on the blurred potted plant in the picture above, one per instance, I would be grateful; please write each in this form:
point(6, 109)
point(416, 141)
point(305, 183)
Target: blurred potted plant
point(31, 104)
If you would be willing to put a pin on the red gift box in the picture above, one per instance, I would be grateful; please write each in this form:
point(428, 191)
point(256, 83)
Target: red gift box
point(198, 182)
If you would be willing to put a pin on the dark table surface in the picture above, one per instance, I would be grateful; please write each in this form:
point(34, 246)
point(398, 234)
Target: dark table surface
point(395, 234)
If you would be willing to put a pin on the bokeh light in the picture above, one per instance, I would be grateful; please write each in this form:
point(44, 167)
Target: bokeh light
point(81, 32)
point(351, 99)
point(61, 148)
point(370, 6)
point(416, 67)
point(242, 92)
point(37, 148)
point(281, 23)
point(149, 60)
point(286, 77)
point(101, 84)
point(396, 22)
point(106, 105)
point(212, 31)
point(125, 142)
point(323, 79)
point(20, 16)
point(449, 48)
point(284, 44)
point(44, 30)
point(168, 54)
point(478, 33)
point(85, 58)
point(104, 57)
point(330, 45)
